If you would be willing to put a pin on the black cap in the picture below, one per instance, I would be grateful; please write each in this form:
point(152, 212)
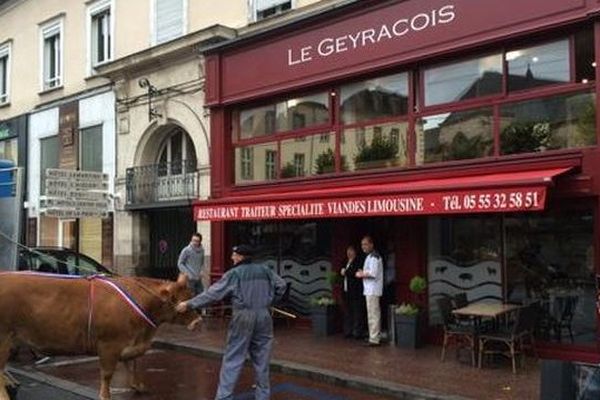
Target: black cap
point(243, 250)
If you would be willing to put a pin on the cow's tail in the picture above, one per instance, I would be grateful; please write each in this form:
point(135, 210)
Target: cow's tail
point(5, 346)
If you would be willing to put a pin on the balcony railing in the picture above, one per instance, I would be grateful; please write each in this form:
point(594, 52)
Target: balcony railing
point(162, 182)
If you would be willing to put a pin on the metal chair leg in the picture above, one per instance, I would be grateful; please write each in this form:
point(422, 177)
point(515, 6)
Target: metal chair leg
point(444, 346)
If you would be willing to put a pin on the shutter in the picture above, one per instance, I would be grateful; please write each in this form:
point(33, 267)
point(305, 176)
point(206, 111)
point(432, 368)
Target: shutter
point(169, 19)
point(90, 238)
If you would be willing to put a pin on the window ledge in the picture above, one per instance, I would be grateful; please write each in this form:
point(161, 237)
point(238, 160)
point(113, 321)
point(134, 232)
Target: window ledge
point(50, 90)
point(5, 104)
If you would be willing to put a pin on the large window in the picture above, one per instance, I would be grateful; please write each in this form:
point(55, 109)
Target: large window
point(91, 149)
point(542, 65)
point(376, 98)
point(4, 73)
point(542, 259)
point(457, 135)
point(307, 156)
point(100, 20)
point(550, 261)
point(48, 158)
point(557, 122)
point(375, 146)
point(292, 114)
point(168, 19)
point(463, 80)
point(256, 163)
point(52, 55)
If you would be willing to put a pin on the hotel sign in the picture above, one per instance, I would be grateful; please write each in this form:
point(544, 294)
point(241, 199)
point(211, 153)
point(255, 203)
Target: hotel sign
point(75, 194)
point(430, 203)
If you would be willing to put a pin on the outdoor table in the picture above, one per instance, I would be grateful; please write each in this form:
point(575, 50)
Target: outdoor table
point(485, 310)
point(478, 311)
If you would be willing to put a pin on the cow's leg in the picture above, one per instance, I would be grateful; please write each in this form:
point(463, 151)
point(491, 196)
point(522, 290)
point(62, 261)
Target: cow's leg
point(133, 376)
point(5, 345)
point(108, 362)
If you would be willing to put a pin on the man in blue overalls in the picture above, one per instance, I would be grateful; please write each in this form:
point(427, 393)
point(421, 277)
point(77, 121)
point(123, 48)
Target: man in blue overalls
point(253, 288)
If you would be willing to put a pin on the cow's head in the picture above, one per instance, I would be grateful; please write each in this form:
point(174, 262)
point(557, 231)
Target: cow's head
point(172, 294)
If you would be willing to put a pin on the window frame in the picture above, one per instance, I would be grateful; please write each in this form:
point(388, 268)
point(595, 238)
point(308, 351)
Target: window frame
point(253, 10)
point(93, 10)
point(154, 25)
point(47, 30)
point(6, 52)
point(81, 144)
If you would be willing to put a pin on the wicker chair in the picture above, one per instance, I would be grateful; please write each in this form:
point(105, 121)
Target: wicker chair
point(461, 334)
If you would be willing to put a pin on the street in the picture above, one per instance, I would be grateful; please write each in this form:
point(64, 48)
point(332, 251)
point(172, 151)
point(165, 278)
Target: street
point(171, 375)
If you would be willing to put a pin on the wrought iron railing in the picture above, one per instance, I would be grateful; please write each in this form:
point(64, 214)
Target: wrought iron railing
point(162, 182)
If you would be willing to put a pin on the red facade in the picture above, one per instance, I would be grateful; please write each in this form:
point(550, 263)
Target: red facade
point(376, 37)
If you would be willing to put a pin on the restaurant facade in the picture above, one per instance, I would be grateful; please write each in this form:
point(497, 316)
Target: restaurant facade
point(462, 136)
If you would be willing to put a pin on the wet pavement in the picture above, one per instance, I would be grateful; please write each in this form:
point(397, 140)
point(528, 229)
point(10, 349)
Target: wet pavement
point(31, 389)
point(172, 375)
point(417, 373)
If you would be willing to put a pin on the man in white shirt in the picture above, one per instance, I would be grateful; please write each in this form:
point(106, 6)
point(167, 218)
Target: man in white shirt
point(372, 276)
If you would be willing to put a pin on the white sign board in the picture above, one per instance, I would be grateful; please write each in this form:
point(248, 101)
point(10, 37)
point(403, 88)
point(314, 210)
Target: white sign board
point(75, 194)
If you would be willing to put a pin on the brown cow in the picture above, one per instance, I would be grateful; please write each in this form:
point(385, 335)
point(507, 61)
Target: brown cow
point(61, 316)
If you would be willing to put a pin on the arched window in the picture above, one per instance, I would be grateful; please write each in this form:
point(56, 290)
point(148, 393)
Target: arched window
point(176, 154)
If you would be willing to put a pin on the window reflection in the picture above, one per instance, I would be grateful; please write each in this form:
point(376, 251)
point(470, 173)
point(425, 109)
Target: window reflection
point(9, 150)
point(463, 80)
point(292, 114)
point(455, 136)
point(374, 98)
point(375, 146)
point(545, 124)
point(256, 163)
point(538, 66)
point(307, 156)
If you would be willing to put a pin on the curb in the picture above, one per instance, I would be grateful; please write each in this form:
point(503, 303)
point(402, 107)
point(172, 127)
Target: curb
point(59, 383)
point(374, 386)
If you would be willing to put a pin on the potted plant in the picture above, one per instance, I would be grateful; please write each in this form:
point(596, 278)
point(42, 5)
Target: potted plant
point(323, 315)
point(407, 318)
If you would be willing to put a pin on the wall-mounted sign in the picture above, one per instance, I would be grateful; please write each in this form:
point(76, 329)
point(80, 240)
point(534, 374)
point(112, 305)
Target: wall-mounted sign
point(431, 203)
point(75, 194)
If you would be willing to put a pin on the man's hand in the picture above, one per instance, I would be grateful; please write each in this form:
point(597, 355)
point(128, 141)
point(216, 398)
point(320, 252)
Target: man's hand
point(360, 274)
point(343, 272)
point(181, 307)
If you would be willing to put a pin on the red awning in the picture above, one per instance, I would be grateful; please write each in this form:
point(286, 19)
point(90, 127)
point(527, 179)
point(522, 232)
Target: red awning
point(499, 192)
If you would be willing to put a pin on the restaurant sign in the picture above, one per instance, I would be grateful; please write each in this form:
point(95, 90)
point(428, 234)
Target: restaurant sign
point(428, 203)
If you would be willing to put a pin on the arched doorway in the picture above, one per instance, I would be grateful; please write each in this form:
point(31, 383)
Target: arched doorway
point(162, 188)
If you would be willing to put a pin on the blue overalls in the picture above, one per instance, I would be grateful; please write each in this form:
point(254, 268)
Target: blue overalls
point(253, 288)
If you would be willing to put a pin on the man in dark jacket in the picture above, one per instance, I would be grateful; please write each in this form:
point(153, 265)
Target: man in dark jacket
point(355, 318)
point(253, 288)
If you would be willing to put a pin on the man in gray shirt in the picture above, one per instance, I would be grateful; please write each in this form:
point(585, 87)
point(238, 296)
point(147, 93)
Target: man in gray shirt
point(253, 288)
point(191, 263)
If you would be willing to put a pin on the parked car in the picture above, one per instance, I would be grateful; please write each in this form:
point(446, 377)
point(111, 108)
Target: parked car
point(59, 260)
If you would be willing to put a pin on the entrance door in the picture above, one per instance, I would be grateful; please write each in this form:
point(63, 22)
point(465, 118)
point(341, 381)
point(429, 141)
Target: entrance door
point(170, 231)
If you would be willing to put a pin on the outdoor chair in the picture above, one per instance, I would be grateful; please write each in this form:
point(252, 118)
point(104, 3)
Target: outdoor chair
point(564, 308)
point(510, 339)
point(459, 333)
point(284, 304)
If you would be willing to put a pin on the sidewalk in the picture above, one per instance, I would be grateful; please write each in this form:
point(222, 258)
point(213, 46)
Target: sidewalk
point(386, 370)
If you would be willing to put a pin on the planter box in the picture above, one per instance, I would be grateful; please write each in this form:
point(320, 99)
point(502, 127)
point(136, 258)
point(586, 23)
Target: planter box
point(324, 320)
point(407, 331)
